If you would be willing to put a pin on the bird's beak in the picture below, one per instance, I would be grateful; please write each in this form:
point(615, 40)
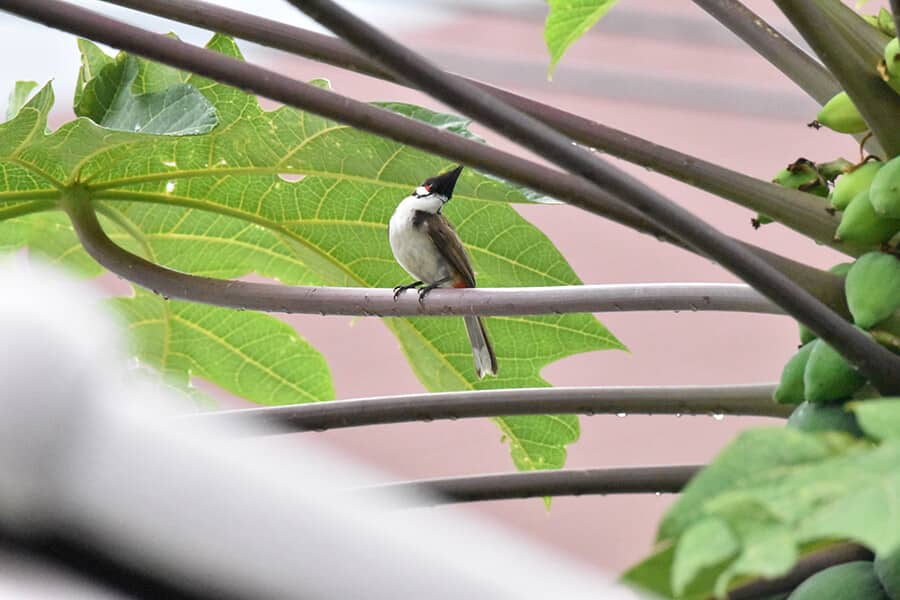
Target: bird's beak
point(444, 184)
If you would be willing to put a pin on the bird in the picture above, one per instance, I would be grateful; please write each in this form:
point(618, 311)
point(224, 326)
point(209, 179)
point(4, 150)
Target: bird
point(429, 249)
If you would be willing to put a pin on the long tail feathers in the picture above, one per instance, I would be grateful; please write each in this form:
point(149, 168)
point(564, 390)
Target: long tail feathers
point(483, 353)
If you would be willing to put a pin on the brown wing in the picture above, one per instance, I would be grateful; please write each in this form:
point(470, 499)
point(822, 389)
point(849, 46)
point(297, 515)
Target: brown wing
point(448, 243)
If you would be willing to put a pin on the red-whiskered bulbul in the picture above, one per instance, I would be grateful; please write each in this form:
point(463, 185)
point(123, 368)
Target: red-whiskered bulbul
point(427, 246)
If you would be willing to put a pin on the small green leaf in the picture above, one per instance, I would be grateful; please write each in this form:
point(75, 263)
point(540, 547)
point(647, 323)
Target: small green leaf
point(767, 552)
point(868, 513)
point(108, 100)
point(93, 59)
point(703, 545)
point(18, 97)
point(654, 574)
point(568, 20)
point(879, 418)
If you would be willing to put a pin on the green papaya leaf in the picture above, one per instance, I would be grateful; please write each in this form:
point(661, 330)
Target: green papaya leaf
point(568, 20)
point(108, 100)
point(879, 418)
point(93, 59)
point(18, 97)
point(303, 200)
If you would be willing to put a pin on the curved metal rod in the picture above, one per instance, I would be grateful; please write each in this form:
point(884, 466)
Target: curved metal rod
point(534, 484)
point(272, 297)
point(740, 400)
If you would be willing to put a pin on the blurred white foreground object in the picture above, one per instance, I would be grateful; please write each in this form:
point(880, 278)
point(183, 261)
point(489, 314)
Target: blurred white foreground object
point(90, 458)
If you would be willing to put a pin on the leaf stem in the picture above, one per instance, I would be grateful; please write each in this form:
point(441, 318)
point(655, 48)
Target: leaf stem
point(23, 195)
point(19, 210)
point(794, 209)
point(880, 366)
point(742, 400)
point(535, 484)
point(380, 302)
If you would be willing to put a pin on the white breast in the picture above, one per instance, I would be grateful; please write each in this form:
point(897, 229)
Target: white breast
point(413, 248)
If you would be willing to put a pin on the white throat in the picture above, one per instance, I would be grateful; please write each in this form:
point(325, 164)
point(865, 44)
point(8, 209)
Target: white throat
point(421, 200)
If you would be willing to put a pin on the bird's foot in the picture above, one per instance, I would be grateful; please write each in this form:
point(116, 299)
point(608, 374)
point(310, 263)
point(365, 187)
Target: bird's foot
point(425, 290)
point(402, 288)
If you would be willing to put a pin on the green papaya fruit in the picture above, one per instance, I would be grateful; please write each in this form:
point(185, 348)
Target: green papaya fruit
point(860, 223)
point(803, 175)
point(806, 335)
point(841, 268)
point(840, 114)
point(827, 376)
point(887, 569)
point(761, 220)
point(884, 193)
point(790, 387)
point(890, 68)
point(873, 288)
point(815, 418)
point(883, 22)
point(848, 186)
point(832, 169)
point(891, 56)
point(849, 581)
